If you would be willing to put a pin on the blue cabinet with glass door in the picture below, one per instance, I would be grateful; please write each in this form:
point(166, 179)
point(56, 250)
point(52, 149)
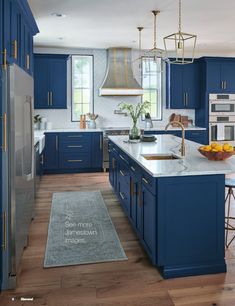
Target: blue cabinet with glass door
point(50, 81)
point(183, 86)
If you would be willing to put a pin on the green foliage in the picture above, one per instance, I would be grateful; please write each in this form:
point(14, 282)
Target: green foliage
point(135, 111)
point(37, 118)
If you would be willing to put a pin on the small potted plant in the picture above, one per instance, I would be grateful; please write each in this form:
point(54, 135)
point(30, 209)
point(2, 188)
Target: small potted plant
point(37, 120)
point(135, 111)
point(92, 123)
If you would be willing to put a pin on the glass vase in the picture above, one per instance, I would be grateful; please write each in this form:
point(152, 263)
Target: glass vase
point(134, 134)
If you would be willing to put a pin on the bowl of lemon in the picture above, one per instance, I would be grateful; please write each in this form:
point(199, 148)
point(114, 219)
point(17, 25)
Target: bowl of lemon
point(216, 151)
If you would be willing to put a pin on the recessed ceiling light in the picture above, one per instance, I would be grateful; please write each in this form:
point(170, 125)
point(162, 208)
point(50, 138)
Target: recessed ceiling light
point(58, 15)
point(60, 38)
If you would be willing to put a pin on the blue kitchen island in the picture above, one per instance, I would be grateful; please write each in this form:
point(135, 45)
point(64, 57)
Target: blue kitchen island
point(175, 204)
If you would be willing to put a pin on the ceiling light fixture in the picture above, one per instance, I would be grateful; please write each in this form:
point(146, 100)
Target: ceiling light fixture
point(58, 15)
point(155, 52)
point(178, 43)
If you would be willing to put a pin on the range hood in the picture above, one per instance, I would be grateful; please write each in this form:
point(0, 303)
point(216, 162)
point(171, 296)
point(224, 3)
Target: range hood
point(119, 79)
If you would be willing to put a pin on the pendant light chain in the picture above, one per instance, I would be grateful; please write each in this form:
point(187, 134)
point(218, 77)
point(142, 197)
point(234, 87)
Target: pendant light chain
point(155, 31)
point(180, 16)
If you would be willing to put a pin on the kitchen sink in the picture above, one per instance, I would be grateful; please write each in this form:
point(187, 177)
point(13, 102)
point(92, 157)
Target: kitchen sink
point(169, 156)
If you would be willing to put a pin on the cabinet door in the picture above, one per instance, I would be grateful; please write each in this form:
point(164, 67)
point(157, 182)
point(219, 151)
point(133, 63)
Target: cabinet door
point(15, 33)
point(97, 150)
point(58, 83)
point(149, 221)
point(1, 39)
point(7, 8)
point(191, 94)
point(197, 136)
point(214, 83)
point(228, 76)
point(176, 87)
point(41, 83)
point(51, 160)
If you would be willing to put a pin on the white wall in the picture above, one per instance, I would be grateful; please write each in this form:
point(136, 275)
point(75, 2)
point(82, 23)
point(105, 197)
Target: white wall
point(104, 106)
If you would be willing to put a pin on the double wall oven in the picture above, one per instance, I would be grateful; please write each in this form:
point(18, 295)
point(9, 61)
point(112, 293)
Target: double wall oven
point(222, 118)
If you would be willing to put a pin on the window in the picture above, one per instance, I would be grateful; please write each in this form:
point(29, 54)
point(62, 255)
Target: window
point(152, 84)
point(82, 86)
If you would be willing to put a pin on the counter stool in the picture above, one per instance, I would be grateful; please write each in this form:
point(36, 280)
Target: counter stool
point(230, 184)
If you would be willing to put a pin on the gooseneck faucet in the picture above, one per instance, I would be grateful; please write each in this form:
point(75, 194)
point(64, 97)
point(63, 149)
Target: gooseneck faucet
point(182, 150)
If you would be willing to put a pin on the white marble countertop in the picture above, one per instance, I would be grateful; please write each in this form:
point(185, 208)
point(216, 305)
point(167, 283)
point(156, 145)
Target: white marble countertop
point(192, 164)
point(69, 130)
point(158, 128)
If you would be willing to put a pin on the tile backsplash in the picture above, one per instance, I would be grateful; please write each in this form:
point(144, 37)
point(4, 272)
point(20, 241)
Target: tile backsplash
point(103, 106)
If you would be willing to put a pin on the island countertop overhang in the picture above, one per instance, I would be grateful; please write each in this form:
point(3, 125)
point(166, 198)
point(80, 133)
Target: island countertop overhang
point(192, 164)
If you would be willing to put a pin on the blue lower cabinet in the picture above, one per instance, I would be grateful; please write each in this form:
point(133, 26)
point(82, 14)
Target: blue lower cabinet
point(149, 223)
point(74, 152)
point(181, 230)
point(74, 160)
point(51, 152)
point(97, 150)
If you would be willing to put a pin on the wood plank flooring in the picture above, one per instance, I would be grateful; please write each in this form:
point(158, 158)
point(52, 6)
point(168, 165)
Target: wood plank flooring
point(134, 282)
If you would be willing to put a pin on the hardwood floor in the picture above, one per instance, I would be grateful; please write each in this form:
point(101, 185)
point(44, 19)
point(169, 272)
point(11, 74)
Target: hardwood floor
point(133, 282)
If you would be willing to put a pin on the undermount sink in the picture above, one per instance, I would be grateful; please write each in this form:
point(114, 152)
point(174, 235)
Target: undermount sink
point(169, 156)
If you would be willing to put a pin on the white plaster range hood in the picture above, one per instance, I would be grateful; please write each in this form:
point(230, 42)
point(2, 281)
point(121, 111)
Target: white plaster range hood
point(119, 79)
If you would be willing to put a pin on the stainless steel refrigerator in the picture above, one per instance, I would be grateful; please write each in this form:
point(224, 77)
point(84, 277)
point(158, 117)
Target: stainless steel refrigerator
point(18, 169)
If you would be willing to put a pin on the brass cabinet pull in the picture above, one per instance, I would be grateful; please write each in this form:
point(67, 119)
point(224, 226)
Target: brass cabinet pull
point(4, 144)
point(144, 180)
point(132, 189)
point(186, 99)
point(123, 174)
point(74, 160)
point(74, 146)
point(51, 98)
point(4, 243)
point(27, 61)
point(48, 98)
point(15, 53)
point(113, 163)
point(133, 169)
point(122, 196)
point(56, 143)
point(101, 143)
point(140, 197)
point(4, 65)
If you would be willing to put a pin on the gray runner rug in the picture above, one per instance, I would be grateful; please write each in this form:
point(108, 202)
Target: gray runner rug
point(81, 231)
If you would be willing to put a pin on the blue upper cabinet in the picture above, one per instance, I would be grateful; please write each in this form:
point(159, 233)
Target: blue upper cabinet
point(19, 27)
point(183, 86)
point(220, 75)
point(50, 81)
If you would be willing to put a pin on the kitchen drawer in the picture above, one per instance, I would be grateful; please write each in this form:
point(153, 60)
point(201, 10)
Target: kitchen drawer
point(123, 171)
point(124, 194)
point(75, 137)
point(74, 146)
point(74, 160)
point(123, 157)
point(149, 182)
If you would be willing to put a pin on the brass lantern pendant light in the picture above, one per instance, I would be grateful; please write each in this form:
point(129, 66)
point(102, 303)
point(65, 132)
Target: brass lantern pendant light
point(155, 52)
point(178, 43)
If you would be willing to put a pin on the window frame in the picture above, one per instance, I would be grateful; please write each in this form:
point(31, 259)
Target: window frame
point(92, 83)
point(160, 93)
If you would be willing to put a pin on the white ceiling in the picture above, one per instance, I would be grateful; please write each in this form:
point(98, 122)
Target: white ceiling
point(112, 23)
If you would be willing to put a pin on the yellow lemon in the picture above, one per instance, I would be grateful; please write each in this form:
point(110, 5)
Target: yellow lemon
point(219, 148)
point(226, 147)
point(214, 150)
point(214, 145)
point(207, 148)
